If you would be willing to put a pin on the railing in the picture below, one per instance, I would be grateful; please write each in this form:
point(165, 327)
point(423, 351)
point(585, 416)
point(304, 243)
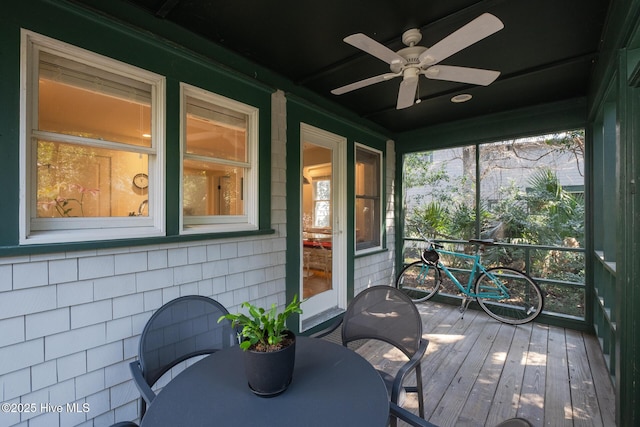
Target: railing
point(559, 270)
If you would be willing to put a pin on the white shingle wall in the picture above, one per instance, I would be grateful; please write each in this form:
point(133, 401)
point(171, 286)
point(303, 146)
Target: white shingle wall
point(68, 337)
point(70, 322)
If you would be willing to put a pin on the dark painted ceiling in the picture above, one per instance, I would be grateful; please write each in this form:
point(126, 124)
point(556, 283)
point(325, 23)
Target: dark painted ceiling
point(545, 53)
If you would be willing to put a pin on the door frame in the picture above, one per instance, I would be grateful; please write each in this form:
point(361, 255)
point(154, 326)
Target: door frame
point(338, 144)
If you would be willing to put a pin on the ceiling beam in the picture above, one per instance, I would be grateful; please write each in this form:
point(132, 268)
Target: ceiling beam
point(166, 7)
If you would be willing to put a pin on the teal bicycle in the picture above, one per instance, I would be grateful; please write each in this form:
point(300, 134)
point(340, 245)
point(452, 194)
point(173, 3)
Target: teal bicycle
point(506, 294)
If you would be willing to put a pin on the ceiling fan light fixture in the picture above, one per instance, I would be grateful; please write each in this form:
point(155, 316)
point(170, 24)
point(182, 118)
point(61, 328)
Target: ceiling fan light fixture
point(463, 97)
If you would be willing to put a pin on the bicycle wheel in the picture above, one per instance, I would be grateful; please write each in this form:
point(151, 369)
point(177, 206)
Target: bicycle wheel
point(509, 295)
point(419, 281)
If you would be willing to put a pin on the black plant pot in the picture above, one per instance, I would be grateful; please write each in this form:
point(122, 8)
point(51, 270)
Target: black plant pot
point(270, 373)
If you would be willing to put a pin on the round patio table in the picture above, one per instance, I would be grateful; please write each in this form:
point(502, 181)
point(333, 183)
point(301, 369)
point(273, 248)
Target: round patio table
point(332, 386)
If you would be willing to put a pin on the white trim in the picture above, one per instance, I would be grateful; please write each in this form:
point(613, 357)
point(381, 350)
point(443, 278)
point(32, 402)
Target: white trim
point(222, 223)
point(54, 230)
point(338, 145)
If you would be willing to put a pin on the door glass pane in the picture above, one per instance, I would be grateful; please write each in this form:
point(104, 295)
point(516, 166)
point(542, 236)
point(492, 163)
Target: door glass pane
point(317, 237)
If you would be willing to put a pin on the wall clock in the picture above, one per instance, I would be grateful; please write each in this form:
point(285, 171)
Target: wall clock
point(141, 181)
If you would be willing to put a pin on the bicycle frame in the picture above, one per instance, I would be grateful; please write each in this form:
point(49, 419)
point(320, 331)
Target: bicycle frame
point(498, 292)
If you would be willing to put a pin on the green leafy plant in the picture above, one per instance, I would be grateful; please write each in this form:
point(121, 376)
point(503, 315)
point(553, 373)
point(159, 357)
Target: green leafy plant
point(263, 330)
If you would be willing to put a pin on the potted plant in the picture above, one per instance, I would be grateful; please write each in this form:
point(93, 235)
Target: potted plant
point(268, 345)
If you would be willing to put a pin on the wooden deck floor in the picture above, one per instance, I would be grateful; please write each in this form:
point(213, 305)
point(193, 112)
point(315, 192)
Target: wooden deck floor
point(479, 372)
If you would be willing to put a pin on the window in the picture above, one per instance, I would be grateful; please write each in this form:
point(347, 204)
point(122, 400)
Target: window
point(322, 202)
point(368, 209)
point(524, 193)
point(219, 167)
point(92, 124)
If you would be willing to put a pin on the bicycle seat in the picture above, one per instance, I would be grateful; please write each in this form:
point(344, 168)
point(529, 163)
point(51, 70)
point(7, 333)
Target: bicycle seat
point(486, 242)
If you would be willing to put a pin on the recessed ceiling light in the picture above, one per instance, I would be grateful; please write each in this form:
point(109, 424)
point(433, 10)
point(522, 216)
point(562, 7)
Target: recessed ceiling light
point(463, 97)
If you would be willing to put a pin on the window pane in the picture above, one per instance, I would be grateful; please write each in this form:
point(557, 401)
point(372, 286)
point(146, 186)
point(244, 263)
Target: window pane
point(322, 189)
point(531, 201)
point(367, 173)
point(440, 192)
point(76, 99)
point(212, 189)
point(322, 203)
point(215, 131)
point(322, 217)
point(367, 209)
point(367, 223)
point(533, 188)
point(78, 181)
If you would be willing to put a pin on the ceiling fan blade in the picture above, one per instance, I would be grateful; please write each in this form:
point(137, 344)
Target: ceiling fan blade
point(407, 92)
point(374, 48)
point(363, 83)
point(476, 30)
point(474, 76)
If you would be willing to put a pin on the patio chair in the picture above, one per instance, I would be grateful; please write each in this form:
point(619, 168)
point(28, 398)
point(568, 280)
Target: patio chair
point(413, 420)
point(408, 417)
point(386, 314)
point(181, 329)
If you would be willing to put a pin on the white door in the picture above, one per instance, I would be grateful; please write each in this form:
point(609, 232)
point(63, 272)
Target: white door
point(322, 235)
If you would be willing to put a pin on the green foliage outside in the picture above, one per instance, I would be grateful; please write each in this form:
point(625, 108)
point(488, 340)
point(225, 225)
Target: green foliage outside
point(538, 211)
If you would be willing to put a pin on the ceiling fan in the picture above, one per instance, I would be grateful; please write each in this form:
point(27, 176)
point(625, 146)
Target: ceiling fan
point(413, 60)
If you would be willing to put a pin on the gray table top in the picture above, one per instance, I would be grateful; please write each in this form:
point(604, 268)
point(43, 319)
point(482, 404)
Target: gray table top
point(332, 386)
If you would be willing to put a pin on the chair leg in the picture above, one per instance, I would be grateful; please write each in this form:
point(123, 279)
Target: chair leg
point(143, 408)
point(420, 391)
point(393, 421)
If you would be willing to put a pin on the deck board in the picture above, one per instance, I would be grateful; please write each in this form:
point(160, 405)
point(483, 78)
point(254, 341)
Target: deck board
point(480, 399)
point(478, 372)
point(455, 396)
point(601, 380)
point(531, 406)
point(507, 397)
point(583, 393)
point(557, 407)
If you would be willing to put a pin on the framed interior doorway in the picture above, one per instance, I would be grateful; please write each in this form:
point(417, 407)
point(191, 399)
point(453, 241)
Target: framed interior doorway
point(322, 233)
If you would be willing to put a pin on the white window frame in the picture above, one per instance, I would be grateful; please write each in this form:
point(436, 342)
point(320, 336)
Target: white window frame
point(56, 230)
point(222, 223)
point(380, 194)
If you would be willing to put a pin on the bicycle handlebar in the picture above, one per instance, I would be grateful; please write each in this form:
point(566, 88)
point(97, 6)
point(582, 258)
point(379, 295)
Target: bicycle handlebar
point(485, 242)
point(481, 242)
